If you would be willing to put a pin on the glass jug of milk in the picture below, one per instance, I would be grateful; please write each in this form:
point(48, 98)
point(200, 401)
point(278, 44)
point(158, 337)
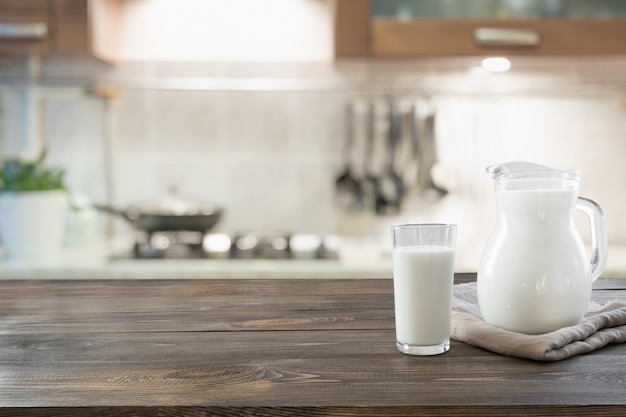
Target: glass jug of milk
point(535, 274)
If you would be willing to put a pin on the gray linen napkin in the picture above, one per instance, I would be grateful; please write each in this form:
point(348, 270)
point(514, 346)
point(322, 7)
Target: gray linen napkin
point(603, 324)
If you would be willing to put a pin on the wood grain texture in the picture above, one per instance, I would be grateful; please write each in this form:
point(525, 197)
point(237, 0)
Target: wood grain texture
point(352, 37)
point(265, 348)
point(73, 27)
point(558, 37)
point(87, 27)
point(25, 11)
point(357, 34)
point(454, 411)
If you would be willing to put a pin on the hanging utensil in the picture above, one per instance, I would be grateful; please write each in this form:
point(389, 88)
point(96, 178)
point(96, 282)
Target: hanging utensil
point(411, 169)
point(405, 164)
point(369, 182)
point(391, 185)
point(347, 184)
point(430, 159)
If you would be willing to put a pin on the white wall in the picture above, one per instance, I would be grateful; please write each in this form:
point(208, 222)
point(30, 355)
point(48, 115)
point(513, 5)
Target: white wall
point(264, 140)
point(270, 158)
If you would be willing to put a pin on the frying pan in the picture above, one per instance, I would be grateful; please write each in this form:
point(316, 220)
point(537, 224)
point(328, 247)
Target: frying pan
point(171, 214)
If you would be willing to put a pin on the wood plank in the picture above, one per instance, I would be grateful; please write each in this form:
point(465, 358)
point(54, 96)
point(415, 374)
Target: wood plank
point(287, 369)
point(393, 411)
point(265, 347)
point(160, 306)
point(144, 306)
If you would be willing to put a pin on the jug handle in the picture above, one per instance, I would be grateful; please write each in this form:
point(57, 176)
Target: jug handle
point(599, 238)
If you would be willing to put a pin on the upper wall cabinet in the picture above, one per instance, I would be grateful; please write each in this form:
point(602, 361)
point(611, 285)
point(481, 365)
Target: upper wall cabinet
point(412, 28)
point(58, 26)
point(25, 26)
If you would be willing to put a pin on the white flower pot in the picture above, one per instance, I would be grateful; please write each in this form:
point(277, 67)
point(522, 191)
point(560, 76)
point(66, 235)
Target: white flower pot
point(32, 225)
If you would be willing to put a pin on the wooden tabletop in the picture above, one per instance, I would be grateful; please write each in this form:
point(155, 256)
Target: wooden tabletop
point(269, 348)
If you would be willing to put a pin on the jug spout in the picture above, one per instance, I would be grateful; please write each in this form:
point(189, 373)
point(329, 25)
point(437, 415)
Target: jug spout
point(516, 169)
point(530, 175)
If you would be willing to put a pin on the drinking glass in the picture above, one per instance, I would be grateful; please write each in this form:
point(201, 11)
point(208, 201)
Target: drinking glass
point(423, 274)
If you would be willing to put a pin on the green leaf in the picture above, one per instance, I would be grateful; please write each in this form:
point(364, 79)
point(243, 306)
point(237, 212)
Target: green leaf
point(24, 175)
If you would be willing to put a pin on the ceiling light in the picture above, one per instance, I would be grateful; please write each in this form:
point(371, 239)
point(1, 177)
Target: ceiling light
point(496, 64)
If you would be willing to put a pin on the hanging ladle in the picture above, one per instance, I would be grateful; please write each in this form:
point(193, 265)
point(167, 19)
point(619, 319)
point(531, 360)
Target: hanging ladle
point(391, 185)
point(347, 184)
point(369, 182)
point(433, 190)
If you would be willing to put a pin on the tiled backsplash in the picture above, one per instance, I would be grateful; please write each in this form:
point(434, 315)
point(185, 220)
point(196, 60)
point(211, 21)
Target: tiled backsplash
point(266, 141)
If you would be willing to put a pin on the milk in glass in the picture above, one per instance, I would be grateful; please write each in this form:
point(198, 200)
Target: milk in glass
point(423, 277)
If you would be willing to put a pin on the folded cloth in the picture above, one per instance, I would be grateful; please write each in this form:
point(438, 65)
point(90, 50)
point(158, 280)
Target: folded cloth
point(602, 325)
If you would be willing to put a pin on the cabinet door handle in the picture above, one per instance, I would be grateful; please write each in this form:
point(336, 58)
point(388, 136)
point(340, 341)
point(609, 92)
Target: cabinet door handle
point(25, 31)
point(506, 37)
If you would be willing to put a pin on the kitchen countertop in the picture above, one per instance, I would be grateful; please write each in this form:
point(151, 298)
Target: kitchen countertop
point(266, 347)
point(198, 269)
point(214, 269)
point(114, 261)
point(90, 266)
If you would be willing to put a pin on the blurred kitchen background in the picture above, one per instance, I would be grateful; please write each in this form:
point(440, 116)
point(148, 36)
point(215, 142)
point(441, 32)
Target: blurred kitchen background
point(249, 105)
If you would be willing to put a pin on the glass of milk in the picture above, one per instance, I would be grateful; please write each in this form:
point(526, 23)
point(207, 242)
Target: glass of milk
point(423, 273)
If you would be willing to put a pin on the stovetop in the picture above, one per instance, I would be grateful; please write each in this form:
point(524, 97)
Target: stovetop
point(245, 245)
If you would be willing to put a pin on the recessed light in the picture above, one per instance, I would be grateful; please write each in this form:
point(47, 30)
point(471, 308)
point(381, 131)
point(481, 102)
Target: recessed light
point(496, 64)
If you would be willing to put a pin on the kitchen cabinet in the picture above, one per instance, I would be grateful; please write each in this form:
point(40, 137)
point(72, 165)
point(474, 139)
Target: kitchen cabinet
point(416, 28)
point(58, 26)
point(25, 26)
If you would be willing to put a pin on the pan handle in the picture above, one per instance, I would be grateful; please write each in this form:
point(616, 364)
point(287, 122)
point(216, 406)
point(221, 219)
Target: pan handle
point(130, 214)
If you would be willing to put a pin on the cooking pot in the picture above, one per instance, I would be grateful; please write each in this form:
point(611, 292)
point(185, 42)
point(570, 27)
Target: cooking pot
point(169, 214)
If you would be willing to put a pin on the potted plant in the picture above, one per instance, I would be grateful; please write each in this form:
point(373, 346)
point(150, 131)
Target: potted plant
point(33, 205)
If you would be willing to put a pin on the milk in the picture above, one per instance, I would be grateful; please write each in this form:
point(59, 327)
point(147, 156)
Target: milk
point(422, 278)
point(535, 275)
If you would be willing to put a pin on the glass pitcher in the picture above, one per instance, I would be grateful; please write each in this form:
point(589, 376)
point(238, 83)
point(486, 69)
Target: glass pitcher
point(535, 274)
